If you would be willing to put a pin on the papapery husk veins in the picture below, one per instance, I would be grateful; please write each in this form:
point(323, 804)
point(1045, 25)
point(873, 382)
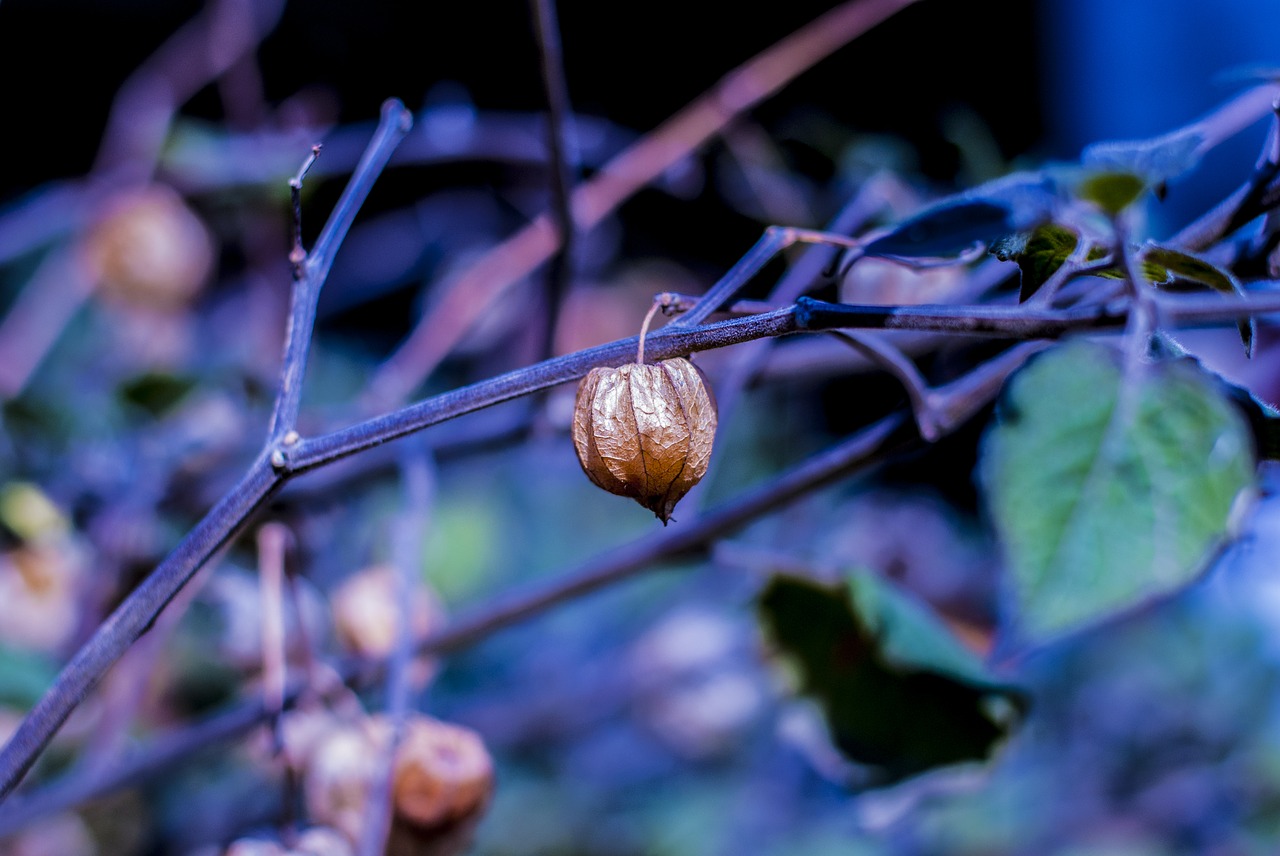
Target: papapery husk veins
point(645, 431)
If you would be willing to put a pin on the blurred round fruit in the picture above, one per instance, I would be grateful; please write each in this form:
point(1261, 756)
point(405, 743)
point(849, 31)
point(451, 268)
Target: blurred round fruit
point(148, 248)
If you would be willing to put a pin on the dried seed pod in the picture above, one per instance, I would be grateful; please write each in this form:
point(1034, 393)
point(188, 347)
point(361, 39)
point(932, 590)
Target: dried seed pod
point(645, 431)
point(442, 782)
point(149, 249)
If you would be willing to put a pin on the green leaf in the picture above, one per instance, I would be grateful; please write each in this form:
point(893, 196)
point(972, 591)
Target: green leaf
point(1109, 490)
point(1112, 191)
point(1037, 253)
point(1181, 270)
point(156, 392)
point(899, 692)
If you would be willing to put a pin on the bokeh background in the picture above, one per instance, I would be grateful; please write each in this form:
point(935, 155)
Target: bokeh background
point(645, 719)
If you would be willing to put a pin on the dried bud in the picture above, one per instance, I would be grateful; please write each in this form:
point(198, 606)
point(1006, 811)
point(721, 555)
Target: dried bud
point(645, 431)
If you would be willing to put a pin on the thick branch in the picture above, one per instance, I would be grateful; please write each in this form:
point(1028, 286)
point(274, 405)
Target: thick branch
point(130, 620)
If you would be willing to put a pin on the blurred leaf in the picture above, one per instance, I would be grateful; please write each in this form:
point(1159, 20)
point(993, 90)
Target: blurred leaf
point(1154, 161)
point(1264, 419)
point(1181, 270)
point(1106, 489)
point(952, 227)
point(1112, 191)
point(898, 691)
point(24, 677)
point(156, 392)
point(26, 511)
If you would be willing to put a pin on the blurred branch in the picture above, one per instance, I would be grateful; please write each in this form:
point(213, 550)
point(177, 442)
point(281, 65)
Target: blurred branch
point(563, 157)
point(199, 52)
point(227, 518)
point(275, 466)
point(273, 541)
point(416, 473)
point(137, 126)
point(466, 298)
point(959, 401)
point(42, 310)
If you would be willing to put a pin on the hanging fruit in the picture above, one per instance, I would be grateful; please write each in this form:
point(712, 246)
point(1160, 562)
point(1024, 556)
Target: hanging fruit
point(645, 431)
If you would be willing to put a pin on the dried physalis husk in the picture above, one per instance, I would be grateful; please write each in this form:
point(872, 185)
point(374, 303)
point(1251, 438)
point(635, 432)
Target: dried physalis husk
point(645, 431)
point(442, 782)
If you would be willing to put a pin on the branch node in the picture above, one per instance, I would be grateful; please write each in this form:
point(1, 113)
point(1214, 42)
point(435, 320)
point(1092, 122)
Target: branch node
point(279, 462)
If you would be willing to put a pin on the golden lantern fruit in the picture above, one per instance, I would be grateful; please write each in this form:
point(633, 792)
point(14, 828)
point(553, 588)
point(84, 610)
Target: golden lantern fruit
point(645, 431)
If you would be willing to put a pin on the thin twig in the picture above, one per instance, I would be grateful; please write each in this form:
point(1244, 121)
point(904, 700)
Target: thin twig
point(273, 540)
point(227, 518)
point(564, 158)
point(395, 123)
point(410, 525)
point(774, 240)
point(130, 620)
point(465, 299)
point(298, 253)
point(895, 363)
point(43, 309)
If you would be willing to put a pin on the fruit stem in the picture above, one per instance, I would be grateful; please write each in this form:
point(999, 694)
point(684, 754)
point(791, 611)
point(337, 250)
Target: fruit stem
point(644, 330)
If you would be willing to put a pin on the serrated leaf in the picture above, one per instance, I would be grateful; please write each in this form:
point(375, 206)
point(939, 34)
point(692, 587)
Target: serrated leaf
point(1112, 191)
point(1109, 490)
point(1180, 270)
point(898, 691)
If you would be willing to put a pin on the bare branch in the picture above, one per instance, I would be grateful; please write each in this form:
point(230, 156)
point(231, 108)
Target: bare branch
point(465, 299)
point(395, 123)
point(564, 159)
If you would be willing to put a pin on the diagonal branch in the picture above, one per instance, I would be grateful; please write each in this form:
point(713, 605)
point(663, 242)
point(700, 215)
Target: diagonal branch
point(464, 300)
point(959, 401)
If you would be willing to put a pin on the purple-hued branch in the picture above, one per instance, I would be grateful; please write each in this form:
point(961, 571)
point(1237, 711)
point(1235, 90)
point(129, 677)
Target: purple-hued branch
point(956, 403)
point(298, 253)
point(130, 620)
point(416, 474)
point(464, 300)
point(546, 27)
point(139, 609)
point(276, 465)
point(395, 123)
